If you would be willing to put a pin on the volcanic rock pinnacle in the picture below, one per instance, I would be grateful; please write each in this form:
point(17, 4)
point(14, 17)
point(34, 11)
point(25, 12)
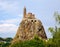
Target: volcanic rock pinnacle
point(29, 27)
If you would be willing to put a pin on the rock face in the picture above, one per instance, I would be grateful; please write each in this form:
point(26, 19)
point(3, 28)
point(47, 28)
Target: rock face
point(29, 27)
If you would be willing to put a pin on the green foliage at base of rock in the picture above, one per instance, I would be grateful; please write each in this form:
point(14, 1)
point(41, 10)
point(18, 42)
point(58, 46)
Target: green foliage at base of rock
point(36, 42)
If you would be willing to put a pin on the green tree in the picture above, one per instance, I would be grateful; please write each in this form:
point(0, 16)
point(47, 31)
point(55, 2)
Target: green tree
point(1, 39)
point(57, 17)
point(8, 39)
point(56, 31)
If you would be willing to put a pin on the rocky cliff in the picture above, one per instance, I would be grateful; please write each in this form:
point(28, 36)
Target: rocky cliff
point(29, 27)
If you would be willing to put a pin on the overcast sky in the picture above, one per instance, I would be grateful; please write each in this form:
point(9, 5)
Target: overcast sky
point(11, 14)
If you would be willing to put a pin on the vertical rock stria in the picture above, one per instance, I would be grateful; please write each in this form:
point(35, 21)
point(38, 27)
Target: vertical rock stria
point(29, 27)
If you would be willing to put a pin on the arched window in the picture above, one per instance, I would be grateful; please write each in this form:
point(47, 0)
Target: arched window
point(35, 20)
point(31, 20)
